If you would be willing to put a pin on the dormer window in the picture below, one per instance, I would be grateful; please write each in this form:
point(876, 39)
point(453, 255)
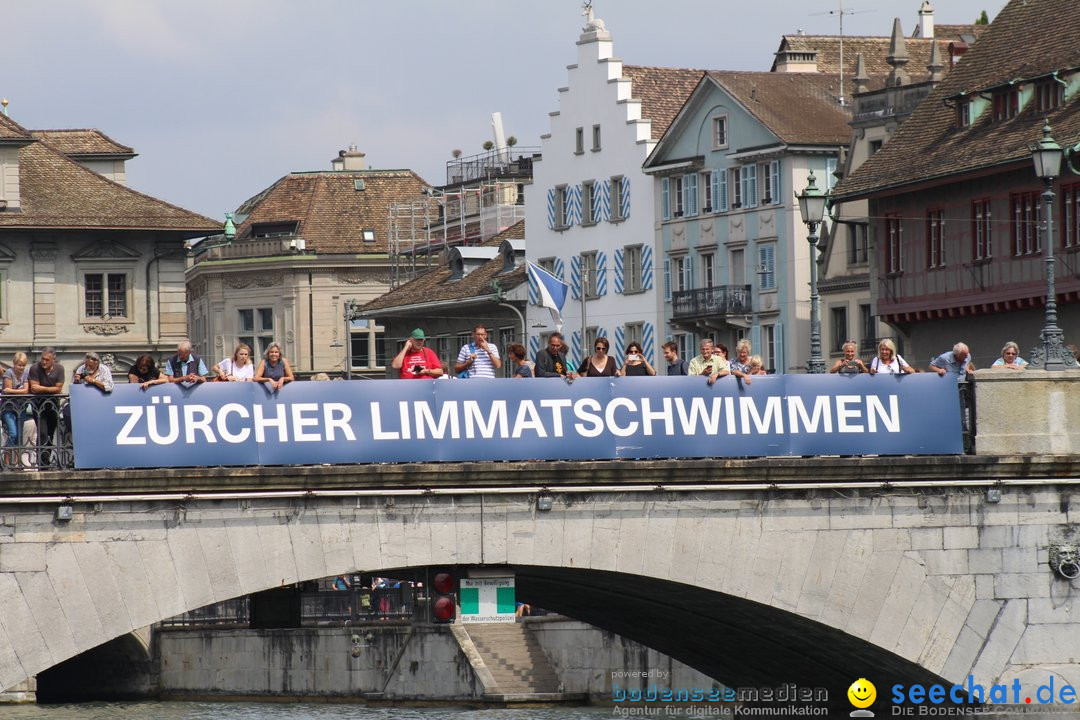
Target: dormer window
point(1049, 95)
point(275, 229)
point(457, 267)
point(1006, 103)
point(963, 114)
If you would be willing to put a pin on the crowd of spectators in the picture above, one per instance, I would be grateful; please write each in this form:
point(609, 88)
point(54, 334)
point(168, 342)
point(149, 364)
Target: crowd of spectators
point(31, 421)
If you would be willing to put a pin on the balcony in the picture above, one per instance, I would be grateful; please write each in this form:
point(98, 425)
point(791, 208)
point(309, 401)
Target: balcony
point(720, 301)
point(251, 247)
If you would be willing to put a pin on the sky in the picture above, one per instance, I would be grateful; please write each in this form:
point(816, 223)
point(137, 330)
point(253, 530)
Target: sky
point(220, 98)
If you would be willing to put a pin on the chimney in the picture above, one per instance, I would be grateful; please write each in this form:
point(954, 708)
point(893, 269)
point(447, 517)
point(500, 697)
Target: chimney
point(351, 159)
point(926, 21)
point(897, 58)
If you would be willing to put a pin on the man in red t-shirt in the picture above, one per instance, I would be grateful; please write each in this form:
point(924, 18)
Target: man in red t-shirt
point(415, 361)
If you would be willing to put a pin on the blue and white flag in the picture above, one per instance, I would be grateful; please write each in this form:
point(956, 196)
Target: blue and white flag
point(552, 292)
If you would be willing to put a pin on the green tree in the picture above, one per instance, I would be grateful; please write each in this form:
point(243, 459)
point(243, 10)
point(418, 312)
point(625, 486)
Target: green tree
point(983, 19)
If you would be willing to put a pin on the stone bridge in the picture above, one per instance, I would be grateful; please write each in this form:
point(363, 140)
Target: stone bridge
point(755, 572)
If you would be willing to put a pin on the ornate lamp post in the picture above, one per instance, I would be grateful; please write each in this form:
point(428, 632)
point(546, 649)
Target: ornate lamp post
point(1052, 353)
point(812, 207)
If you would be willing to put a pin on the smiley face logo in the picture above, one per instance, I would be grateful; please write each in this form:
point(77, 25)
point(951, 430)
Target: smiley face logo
point(862, 693)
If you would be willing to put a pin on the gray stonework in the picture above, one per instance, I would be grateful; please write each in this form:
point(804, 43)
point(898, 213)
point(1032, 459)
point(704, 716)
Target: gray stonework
point(892, 568)
point(1047, 421)
point(396, 664)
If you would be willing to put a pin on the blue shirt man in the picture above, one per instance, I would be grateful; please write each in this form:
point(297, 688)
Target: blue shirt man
point(955, 363)
point(185, 367)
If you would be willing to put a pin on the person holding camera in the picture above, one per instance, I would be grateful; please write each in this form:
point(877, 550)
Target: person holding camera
point(636, 364)
point(415, 361)
point(92, 372)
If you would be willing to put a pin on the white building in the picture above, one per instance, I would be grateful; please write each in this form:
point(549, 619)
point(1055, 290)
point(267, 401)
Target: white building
point(592, 213)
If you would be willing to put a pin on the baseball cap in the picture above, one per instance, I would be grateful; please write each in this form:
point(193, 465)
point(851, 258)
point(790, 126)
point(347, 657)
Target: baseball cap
point(418, 334)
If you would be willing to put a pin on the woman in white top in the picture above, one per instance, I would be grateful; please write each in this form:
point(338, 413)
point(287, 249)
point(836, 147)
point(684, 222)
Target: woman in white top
point(887, 361)
point(238, 368)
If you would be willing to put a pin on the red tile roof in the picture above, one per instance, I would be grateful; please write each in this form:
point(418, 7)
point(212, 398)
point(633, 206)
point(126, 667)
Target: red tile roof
point(435, 285)
point(57, 192)
point(11, 130)
point(1027, 39)
point(799, 108)
point(662, 92)
point(331, 214)
point(77, 143)
point(875, 50)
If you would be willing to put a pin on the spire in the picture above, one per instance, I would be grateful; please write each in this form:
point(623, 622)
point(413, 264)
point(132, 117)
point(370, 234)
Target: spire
point(898, 57)
point(936, 66)
point(862, 80)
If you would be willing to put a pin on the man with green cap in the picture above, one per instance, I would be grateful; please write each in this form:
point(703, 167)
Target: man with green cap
point(415, 361)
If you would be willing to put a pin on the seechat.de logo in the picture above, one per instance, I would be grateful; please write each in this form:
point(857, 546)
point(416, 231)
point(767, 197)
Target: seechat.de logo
point(862, 694)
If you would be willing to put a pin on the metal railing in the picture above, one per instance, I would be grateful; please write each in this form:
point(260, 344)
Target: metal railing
point(317, 607)
point(717, 301)
point(511, 162)
point(36, 433)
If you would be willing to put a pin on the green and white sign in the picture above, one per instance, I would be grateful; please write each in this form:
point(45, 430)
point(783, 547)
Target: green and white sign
point(487, 600)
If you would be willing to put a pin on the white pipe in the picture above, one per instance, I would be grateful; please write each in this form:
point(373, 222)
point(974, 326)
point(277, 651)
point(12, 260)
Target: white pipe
point(528, 490)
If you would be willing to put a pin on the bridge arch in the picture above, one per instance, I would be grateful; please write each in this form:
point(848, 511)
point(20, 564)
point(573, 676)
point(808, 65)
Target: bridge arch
point(836, 586)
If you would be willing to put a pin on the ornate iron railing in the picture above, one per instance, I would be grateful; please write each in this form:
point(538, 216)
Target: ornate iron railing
point(36, 433)
point(717, 301)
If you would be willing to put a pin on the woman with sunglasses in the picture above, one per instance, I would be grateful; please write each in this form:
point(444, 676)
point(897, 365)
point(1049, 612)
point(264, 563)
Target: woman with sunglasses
point(599, 364)
point(636, 364)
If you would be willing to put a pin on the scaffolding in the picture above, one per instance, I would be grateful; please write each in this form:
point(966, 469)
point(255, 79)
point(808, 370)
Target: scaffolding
point(484, 195)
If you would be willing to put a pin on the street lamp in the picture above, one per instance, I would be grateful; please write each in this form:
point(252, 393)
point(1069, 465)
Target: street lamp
point(1052, 353)
point(812, 207)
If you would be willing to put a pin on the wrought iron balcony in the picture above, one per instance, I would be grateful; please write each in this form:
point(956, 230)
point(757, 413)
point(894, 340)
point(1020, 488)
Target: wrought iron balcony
point(719, 301)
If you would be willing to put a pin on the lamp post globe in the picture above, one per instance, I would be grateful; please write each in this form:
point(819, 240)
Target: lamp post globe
point(812, 207)
point(1051, 353)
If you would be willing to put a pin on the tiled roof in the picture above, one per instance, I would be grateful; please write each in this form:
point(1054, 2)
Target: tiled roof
point(57, 192)
point(662, 92)
point(83, 142)
point(331, 214)
point(435, 285)
point(874, 50)
point(799, 108)
point(1027, 39)
point(11, 130)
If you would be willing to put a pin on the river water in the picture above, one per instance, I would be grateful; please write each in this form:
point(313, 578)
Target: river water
point(284, 711)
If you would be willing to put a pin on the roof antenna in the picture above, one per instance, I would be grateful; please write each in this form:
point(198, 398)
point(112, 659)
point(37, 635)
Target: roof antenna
point(841, 11)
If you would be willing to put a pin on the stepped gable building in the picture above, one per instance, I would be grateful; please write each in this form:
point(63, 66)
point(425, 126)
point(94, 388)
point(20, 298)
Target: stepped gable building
point(481, 284)
point(733, 244)
point(305, 248)
point(85, 262)
point(954, 203)
point(591, 212)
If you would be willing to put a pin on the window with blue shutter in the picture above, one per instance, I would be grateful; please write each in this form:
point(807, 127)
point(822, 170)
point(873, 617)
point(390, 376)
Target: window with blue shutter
point(767, 267)
point(721, 194)
point(667, 279)
point(690, 185)
point(551, 209)
point(665, 198)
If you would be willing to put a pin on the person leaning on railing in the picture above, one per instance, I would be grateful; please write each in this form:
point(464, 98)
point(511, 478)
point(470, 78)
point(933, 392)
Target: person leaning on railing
point(16, 382)
point(92, 372)
point(47, 379)
point(274, 369)
point(145, 372)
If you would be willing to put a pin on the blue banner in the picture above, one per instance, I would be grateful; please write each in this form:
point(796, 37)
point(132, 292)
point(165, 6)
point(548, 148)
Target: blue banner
point(308, 423)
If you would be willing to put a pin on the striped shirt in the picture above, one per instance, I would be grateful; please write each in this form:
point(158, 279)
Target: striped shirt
point(482, 367)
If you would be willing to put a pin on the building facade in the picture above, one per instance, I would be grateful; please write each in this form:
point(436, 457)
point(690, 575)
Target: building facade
point(957, 224)
point(86, 264)
point(736, 259)
point(306, 250)
point(591, 212)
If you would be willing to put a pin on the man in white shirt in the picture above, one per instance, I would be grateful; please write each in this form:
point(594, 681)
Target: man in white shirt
point(479, 358)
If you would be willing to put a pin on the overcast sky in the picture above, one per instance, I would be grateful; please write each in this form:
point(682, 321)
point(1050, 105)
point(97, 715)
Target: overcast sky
point(220, 98)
